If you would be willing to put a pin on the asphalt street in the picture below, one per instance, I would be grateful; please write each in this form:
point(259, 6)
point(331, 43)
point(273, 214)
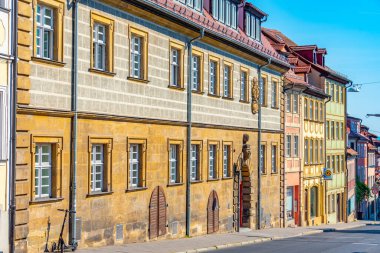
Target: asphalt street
point(360, 240)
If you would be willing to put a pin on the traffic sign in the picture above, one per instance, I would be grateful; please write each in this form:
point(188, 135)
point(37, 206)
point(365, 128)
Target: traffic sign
point(375, 189)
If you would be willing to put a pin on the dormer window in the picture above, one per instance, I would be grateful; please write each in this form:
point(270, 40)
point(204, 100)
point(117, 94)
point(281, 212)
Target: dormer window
point(225, 11)
point(252, 26)
point(314, 56)
point(195, 4)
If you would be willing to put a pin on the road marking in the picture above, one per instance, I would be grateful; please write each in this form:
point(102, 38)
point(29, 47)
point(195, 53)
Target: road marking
point(363, 243)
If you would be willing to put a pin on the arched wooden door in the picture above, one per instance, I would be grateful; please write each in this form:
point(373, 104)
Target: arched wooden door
point(213, 213)
point(157, 213)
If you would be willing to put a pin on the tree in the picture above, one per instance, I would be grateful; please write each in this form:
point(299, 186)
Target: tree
point(362, 191)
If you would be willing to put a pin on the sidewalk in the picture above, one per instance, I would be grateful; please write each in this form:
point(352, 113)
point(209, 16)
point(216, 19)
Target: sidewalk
point(219, 241)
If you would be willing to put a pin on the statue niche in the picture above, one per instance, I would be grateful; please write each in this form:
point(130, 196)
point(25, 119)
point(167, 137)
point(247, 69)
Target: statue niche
point(255, 95)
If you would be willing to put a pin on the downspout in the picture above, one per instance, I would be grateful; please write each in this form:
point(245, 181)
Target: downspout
point(259, 144)
point(325, 118)
point(283, 173)
point(189, 122)
point(13, 125)
point(73, 202)
point(345, 152)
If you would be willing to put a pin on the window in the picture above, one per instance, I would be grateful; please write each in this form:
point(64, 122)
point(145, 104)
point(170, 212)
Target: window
point(225, 11)
point(3, 124)
point(197, 73)
point(227, 160)
point(321, 151)
point(341, 131)
point(195, 162)
point(138, 61)
point(175, 162)
point(333, 163)
point(263, 91)
point(332, 92)
point(137, 163)
point(327, 89)
point(332, 125)
point(337, 134)
point(289, 202)
point(305, 109)
point(46, 171)
point(252, 26)
point(274, 159)
point(328, 129)
point(97, 168)
point(337, 164)
point(2, 4)
point(288, 102)
point(288, 145)
point(102, 43)
point(176, 65)
point(48, 31)
point(296, 145)
point(214, 76)
point(342, 167)
point(227, 81)
point(316, 151)
point(295, 103)
point(244, 85)
point(311, 115)
point(311, 161)
point(135, 171)
point(43, 170)
point(306, 152)
point(328, 165)
point(341, 95)
point(321, 112)
point(263, 159)
point(337, 88)
point(274, 94)
point(316, 110)
point(213, 162)
point(313, 201)
point(99, 46)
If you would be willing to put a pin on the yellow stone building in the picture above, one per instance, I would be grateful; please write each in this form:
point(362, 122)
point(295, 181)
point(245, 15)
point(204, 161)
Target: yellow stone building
point(132, 121)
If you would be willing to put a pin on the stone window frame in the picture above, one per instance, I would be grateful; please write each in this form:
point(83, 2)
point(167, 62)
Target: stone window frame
point(181, 48)
point(180, 144)
point(276, 106)
point(199, 54)
point(143, 160)
point(56, 143)
point(264, 103)
point(217, 76)
point(107, 143)
point(230, 144)
point(231, 81)
point(216, 161)
point(109, 23)
point(200, 164)
point(58, 7)
point(246, 70)
point(276, 146)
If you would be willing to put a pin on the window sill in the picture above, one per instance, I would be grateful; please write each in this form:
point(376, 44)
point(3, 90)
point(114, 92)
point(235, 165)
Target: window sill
point(212, 179)
point(275, 108)
point(45, 200)
point(136, 189)
point(227, 178)
point(196, 182)
point(244, 101)
point(95, 194)
point(228, 98)
point(198, 92)
point(176, 88)
point(101, 72)
point(49, 62)
point(213, 95)
point(174, 184)
point(137, 79)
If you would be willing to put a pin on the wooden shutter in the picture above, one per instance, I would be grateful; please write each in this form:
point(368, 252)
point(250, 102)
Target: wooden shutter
point(216, 212)
point(161, 212)
point(212, 213)
point(153, 214)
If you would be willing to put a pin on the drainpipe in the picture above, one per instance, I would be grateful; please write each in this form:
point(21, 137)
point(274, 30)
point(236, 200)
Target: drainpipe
point(73, 202)
point(189, 122)
point(13, 123)
point(345, 153)
point(259, 144)
point(325, 118)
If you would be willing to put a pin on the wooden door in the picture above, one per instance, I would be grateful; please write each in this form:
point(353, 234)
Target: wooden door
point(212, 213)
point(157, 213)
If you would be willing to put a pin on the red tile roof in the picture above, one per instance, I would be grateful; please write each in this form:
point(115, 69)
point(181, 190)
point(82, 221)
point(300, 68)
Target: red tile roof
point(293, 78)
point(302, 69)
point(351, 152)
point(209, 23)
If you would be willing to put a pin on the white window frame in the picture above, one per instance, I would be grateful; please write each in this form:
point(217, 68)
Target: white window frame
point(212, 158)
point(226, 160)
point(95, 164)
point(42, 27)
point(213, 77)
point(173, 163)
point(39, 166)
point(175, 61)
point(3, 124)
point(228, 12)
point(99, 45)
point(233, 16)
point(243, 84)
point(296, 146)
point(226, 81)
point(194, 160)
point(136, 56)
point(288, 105)
point(288, 151)
point(195, 83)
point(215, 9)
point(222, 5)
point(295, 103)
point(134, 165)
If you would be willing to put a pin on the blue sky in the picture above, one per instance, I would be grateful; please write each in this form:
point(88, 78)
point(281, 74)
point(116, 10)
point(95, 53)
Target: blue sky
point(349, 30)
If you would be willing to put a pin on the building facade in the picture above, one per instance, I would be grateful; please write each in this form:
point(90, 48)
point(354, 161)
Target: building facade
point(5, 86)
point(132, 120)
point(351, 183)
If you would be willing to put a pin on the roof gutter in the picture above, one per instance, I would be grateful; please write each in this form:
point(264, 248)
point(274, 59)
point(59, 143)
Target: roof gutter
point(198, 27)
